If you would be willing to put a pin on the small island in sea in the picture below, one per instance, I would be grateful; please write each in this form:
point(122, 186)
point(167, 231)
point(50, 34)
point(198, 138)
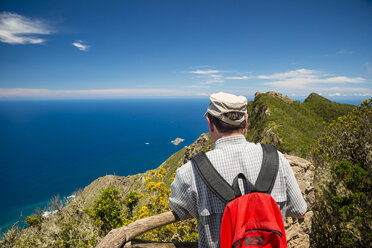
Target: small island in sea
point(177, 141)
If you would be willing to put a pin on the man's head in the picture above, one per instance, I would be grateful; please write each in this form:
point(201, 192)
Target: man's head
point(227, 112)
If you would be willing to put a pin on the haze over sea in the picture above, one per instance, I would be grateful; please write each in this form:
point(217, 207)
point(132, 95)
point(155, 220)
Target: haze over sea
point(50, 147)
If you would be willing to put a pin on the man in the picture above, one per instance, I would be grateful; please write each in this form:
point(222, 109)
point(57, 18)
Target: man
point(227, 118)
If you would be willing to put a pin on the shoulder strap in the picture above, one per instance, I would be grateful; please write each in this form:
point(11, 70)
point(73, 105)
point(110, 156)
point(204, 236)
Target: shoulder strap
point(269, 169)
point(215, 182)
point(218, 185)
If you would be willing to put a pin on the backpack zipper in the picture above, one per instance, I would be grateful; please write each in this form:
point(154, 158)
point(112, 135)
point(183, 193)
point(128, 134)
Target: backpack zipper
point(265, 230)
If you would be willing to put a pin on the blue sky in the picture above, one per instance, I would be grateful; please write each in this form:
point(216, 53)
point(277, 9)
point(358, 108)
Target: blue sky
point(155, 48)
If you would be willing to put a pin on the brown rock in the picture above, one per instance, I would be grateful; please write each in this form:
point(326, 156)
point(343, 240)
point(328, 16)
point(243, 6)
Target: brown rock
point(276, 94)
point(298, 229)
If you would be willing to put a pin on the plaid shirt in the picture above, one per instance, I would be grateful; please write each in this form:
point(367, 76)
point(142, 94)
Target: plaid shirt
point(191, 197)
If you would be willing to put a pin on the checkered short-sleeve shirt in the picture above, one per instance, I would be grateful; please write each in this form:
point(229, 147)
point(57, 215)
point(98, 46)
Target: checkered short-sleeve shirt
point(191, 197)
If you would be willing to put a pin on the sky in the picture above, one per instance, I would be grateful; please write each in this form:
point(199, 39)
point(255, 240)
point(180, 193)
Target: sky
point(184, 48)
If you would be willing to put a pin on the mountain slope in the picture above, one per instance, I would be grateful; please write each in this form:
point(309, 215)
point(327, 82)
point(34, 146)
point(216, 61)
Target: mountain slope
point(326, 109)
point(291, 126)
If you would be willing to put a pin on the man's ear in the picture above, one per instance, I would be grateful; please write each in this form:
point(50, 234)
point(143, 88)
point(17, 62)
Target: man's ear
point(210, 124)
point(246, 121)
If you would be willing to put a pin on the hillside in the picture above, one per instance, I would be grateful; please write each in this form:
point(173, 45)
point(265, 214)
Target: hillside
point(325, 109)
point(291, 125)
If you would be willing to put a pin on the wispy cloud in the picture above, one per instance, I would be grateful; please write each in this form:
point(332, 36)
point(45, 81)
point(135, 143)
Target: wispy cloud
point(300, 81)
point(304, 78)
point(291, 74)
point(239, 78)
point(348, 92)
point(13, 93)
point(205, 71)
point(207, 76)
point(196, 86)
point(212, 81)
point(80, 45)
point(18, 29)
point(345, 51)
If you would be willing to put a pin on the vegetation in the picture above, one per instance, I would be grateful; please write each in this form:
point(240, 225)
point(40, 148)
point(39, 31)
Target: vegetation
point(158, 192)
point(293, 127)
point(70, 226)
point(325, 109)
point(107, 210)
point(343, 155)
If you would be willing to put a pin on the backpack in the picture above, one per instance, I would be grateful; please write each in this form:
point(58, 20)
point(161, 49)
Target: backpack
point(254, 219)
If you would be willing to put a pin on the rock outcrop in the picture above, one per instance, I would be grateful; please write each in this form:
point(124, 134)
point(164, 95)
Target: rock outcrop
point(298, 229)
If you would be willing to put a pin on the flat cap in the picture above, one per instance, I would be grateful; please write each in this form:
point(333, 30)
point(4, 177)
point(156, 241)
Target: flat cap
point(222, 103)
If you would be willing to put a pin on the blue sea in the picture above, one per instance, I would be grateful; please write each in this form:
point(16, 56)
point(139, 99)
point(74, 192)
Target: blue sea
point(51, 147)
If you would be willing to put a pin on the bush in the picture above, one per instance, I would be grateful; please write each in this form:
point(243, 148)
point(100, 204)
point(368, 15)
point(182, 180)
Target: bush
point(158, 192)
point(107, 210)
point(343, 156)
point(70, 226)
point(131, 200)
point(34, 220)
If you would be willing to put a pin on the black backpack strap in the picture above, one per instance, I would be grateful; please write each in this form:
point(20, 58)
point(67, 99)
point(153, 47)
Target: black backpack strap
point(269, 169)
point(235, 184)
point(218, 185)
point(215, 182)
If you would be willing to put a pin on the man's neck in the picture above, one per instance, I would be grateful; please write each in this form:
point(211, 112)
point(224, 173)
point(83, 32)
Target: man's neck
point(225, 135)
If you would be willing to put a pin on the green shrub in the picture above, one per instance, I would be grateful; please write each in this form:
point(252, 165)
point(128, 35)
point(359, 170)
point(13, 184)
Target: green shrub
point(343, 157)
point(158, 192)
point(107, 210)
point(131, 200)
point(34, 220)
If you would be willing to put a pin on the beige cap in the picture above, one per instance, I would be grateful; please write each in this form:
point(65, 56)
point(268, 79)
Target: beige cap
point(221, 103)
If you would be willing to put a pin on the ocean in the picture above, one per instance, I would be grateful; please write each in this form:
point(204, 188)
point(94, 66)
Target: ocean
point(54, 147)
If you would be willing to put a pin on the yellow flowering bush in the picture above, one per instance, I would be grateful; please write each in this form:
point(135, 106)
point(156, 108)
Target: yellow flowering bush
point(158, 191)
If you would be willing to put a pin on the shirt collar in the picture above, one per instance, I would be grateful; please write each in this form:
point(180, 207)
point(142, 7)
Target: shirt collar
point(231, 140)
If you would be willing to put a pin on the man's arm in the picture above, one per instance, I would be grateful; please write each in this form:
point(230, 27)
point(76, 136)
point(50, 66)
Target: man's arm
point(296, 205)
point(183, 198)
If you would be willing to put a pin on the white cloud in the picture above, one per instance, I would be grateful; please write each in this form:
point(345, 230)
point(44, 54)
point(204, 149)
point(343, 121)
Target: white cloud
point(300, 81)
point(336, 94)
point(204, 71)
point(79, 44)
point(304, 78)
point(18, 29)
point(348, 94)
point(207, 77)
point(196, 86)
point(345, 51)
point(291, 74)
point(212, 81)
point(365, 94)
point(239, 78)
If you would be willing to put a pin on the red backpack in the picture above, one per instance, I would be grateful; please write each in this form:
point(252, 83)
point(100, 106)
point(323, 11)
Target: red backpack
point(252, 220)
